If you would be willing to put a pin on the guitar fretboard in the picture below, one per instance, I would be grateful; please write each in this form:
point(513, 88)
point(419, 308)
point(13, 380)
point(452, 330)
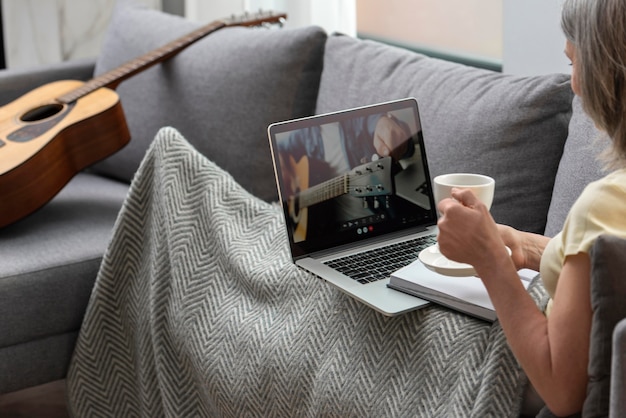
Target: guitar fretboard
point(324, 191)
point(113, 77)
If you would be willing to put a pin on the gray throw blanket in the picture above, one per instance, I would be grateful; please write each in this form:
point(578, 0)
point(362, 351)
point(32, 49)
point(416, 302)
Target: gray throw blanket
point(198, 311)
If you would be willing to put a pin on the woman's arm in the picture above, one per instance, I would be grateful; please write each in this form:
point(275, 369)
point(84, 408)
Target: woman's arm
point(553, 352)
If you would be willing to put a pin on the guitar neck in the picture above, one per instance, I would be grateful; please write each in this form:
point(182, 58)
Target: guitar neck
point(114, 77)
point(367, 180)
point(324, 191)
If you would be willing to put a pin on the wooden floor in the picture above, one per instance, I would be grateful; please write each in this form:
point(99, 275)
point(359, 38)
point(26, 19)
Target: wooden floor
point(45, 401)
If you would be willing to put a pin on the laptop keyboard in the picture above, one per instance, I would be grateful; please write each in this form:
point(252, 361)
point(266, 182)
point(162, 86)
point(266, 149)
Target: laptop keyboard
point(378, 264)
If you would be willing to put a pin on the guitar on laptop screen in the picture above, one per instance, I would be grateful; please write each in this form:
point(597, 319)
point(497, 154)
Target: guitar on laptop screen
point(365, 181)
point(51, 133)
point(335, 193)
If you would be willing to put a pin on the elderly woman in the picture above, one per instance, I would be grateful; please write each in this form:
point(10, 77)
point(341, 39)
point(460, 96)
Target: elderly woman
point(553, 347)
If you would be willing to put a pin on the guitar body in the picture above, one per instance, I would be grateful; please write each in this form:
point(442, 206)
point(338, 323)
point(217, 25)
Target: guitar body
point(300, 181)
point(50, 134)
point(44, 143)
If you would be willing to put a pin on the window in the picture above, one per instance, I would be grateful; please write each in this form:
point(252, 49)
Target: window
point(468, 31)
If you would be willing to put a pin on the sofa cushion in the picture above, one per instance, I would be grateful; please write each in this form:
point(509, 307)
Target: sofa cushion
point(230, 84)
point(45, 255)
point(579, 166)
point(49, 263)
point(511, 128)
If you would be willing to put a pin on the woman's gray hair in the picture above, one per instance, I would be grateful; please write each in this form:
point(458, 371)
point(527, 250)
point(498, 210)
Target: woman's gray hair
point(597, 30)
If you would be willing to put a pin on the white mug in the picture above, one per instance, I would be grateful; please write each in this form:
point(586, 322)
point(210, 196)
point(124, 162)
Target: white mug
point(482, 186)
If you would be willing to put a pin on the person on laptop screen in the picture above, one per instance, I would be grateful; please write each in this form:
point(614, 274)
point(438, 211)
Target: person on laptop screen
point(314, 163)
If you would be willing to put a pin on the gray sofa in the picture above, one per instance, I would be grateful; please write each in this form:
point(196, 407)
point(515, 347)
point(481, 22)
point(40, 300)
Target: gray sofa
point(529, 133)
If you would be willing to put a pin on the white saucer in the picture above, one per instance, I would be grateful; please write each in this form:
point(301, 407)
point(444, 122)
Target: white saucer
point(435, 261)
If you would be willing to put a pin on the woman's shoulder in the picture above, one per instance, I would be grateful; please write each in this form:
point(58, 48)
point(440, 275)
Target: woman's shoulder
point(602, 205)
point(612, 187)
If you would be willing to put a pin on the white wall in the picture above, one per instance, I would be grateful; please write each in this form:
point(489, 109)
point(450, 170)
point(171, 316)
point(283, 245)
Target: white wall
point(40, 32)
point(332, 15)
point(533, 41)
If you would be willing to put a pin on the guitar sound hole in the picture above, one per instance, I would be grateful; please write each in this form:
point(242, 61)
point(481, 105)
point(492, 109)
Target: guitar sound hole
point(42, 112)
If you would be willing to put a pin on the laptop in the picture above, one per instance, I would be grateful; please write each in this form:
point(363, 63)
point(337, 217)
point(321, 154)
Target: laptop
point(357, 197)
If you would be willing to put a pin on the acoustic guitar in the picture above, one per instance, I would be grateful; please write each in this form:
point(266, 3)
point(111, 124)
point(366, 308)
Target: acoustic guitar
point(51, 133)
point(367, 180)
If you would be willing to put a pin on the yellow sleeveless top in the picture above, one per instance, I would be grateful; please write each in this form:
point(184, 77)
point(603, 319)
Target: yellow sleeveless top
point(600, 209)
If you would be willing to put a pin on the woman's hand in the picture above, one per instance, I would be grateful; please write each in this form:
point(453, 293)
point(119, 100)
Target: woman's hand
point(526, 248)
point(514, 239)
point(467, 232)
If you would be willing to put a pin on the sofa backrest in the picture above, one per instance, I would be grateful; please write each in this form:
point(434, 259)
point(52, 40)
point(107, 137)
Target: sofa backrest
point(511, 128)
point(578, 167)
point(221, 92)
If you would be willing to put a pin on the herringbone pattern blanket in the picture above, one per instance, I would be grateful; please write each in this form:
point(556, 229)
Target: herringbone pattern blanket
point(198, 311)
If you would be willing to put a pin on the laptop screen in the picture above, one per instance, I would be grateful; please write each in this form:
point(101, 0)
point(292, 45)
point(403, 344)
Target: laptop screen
point(348, 176)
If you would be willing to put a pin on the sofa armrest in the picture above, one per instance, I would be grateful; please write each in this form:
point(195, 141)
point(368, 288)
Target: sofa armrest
point(618, 372)
point(608, 292)
point(16, 82)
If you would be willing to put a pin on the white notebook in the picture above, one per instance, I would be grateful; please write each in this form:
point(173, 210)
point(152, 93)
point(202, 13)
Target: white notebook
point(464, 294)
